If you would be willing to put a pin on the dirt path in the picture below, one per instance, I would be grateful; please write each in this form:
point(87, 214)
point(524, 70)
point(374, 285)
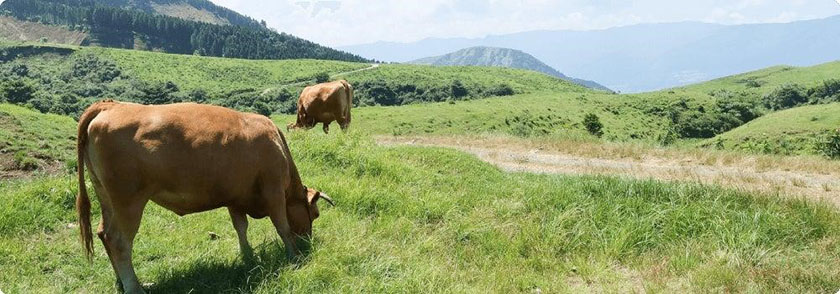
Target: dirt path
point(332, 76)
point(784, 178)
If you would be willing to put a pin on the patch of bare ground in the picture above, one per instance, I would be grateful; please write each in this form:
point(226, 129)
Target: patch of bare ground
point(17, 30)
point(808, 177)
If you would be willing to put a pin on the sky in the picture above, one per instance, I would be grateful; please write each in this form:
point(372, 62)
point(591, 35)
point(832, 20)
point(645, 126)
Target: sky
point(349, 22)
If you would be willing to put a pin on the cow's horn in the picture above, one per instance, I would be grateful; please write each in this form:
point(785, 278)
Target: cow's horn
point(322, 195)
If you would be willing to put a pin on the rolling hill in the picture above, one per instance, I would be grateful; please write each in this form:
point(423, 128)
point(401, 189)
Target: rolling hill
point(147, 25)
point(649, 57)
point(790, 132)
point(502, 57)
point(64, 79)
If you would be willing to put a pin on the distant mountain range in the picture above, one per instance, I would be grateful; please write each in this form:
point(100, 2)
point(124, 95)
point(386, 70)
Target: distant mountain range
point(648, 56)
point(173, 26)
point(502, 57)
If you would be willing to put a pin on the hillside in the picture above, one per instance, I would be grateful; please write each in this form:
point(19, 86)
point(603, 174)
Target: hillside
point(30, 140)
point(120, 25)
point(193, 10)
point(791, 132)
point(649, 57)
point(501, 57)
point(65, 79)
point(12, 29)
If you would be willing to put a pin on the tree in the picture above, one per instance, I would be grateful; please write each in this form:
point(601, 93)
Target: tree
point(593, 125)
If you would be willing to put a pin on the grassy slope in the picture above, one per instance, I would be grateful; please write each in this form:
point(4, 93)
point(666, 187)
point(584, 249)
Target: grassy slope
point(435, 221)
point(47, 138)
point(796, 128)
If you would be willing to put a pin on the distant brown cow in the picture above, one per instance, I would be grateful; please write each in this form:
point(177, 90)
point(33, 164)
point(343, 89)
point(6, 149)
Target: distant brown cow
point(187, 158)
point(324, 103)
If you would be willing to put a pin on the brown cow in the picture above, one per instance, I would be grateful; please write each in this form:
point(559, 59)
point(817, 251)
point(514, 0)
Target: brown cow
point(324, 103)
point(187, 158)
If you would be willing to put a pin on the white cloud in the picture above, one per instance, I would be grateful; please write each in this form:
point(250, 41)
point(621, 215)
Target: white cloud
point(344, 22)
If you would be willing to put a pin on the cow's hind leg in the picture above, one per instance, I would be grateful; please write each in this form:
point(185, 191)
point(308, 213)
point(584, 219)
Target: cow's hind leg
point(240, 223)
point(118, 237)
point(104, 223)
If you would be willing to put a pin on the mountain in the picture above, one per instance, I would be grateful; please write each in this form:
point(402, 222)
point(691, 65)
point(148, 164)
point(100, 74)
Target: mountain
point(502, 57)
point(193, 10)
point(648, 57)
point(197, 27)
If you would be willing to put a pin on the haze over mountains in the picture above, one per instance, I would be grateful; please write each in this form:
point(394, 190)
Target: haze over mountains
point(502, 57)
point(648, 56)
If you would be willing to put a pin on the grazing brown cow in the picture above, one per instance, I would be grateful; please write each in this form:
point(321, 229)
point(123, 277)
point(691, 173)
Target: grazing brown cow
point(324, 103)
point(187, 158)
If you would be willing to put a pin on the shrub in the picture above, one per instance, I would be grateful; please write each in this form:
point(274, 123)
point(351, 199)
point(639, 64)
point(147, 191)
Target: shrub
point(829, 144)
point(24, 162)
point(322, 77)
point(593, 125)
point(828, 91)
point(458, 89)
point(784, 97)
point(17, 91)
point(499, 90)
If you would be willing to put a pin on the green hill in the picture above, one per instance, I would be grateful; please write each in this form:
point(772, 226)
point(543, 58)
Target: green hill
point(502, 57)
point(65, 79)
point(794, 131)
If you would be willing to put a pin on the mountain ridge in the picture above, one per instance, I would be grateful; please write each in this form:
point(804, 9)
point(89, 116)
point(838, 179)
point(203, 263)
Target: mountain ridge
point(501, 57)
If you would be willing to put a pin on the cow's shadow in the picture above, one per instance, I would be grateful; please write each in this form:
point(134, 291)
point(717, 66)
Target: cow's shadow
point(241, 275)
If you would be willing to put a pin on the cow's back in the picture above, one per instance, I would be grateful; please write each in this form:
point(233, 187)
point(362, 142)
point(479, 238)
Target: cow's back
point(187, 157)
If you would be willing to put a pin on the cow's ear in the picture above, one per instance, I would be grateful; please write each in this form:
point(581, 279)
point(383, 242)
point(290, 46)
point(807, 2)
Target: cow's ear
point(319, 195)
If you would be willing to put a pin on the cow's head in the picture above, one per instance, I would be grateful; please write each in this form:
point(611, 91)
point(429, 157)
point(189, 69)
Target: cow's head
point(303, 121)
point(303, 210)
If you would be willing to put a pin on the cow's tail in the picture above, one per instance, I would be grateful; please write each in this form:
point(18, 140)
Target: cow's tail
point(82, 200)
point(348, 89)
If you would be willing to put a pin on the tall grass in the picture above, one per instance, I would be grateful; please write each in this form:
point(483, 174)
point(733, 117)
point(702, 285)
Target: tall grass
point(430, 220)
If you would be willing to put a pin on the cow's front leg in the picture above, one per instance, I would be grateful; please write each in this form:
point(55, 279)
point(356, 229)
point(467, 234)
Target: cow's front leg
point(326, 128)
point(279, 217)
point(240, 223)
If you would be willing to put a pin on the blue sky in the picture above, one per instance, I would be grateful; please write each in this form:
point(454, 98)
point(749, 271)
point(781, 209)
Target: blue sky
point(347, 22)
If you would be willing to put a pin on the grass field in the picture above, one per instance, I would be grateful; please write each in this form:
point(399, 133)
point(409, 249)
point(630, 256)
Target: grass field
point(437, 221)
point(541, 114)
